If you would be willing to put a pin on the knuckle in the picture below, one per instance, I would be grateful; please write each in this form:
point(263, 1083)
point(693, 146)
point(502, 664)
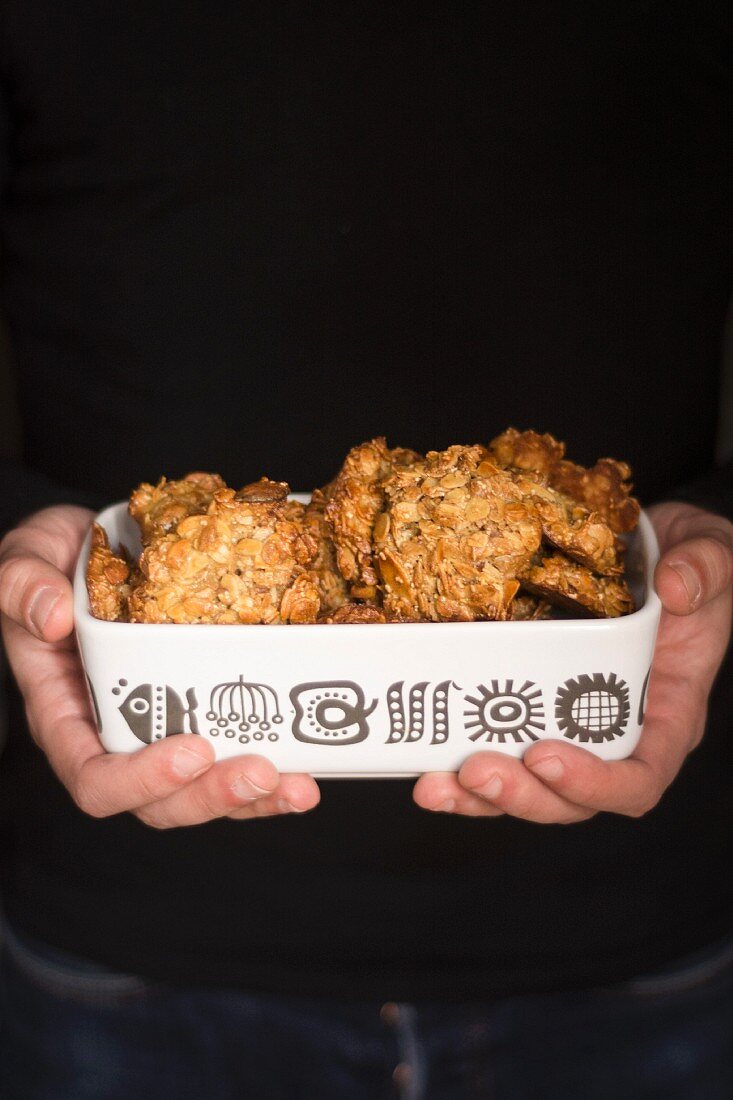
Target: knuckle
point(718, 561)
point(21, 579)
point(710, 554)
point(13, 576)
point(683, 519)
point(722, 532)
point(8, 543)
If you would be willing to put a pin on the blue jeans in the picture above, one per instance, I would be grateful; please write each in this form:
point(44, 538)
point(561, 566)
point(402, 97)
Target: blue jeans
point(70, 1030)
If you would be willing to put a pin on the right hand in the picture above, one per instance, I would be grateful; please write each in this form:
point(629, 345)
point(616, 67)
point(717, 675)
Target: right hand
point(173, 782)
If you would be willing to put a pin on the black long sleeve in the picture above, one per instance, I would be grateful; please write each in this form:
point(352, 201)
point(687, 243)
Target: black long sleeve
point(243, 241)
point(712, 490)
point(25, 491)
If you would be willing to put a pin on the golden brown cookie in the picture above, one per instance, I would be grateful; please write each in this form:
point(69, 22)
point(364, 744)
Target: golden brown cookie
point(526, 608)
point(355, 500)
point(332, 586)
point(566, 584)
point(356, 613)
point(528, 451)
point(246, 560)
point(158, 509)
point(453, 537)
point(570, 527)
point(605, 489)
point(108, 580)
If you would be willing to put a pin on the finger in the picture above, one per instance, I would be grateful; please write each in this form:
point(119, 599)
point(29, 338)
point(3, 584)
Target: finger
point(55, 534)
point(631, 787)
point(101, 784)
point(506, 783)
point(442, 793)
point(45, 671)
point(673, 725)
point(36, 561)
point(225, 788)
point(36, 596)
point(110, 783)
point(294, 794)
point(229, 786)
point(694, 572)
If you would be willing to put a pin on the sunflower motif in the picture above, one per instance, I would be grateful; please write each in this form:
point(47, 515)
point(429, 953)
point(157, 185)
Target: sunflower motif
point(593, 708)
point(500, 713)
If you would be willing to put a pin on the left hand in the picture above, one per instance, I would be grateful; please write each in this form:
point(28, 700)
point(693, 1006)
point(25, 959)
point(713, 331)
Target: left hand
point(560, 783)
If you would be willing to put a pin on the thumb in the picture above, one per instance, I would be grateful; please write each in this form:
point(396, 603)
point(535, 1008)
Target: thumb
point(695, 571)
point(36, 560)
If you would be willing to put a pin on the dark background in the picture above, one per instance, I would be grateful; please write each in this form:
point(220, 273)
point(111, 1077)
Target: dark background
point(10, 428)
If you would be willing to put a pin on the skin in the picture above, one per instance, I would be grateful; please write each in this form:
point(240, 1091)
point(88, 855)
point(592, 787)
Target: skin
point(559, 783)
point(175, 782)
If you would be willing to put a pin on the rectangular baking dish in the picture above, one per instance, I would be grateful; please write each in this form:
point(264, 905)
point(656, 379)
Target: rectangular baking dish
point(372, 700)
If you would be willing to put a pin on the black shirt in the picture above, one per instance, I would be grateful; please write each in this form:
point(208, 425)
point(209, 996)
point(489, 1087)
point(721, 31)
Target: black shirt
point(244, 237)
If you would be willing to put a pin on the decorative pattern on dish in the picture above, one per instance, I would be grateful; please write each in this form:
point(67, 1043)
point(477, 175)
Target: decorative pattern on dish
point(501, 712)
point(245, 710)
point(407, 726)
point(593, 708)
point(330, 713)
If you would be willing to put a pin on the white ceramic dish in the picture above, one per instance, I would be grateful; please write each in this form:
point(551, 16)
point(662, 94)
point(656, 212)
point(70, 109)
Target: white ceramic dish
point(388, 700)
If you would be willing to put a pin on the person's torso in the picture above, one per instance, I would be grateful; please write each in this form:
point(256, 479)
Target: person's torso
point(245, 237)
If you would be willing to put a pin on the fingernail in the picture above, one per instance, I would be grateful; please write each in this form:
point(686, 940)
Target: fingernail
point(492, 789)
point(187, 764)
point(245, 789)
point(286, 807)
point(43, 604)
point(549, 767)
point(690, 579)
point(446, 807)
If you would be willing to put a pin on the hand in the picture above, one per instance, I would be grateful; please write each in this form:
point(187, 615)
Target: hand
point(173, 782)
point(560, 783)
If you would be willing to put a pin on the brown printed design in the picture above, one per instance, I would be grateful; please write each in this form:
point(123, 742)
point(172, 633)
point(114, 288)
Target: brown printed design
point(410, 726)
point(590, 708)
point(330, 713)
point(244, 710)
point(95, 704)
point(500, 713)
point(593, 708)
point(154, 711)
point(642, 699)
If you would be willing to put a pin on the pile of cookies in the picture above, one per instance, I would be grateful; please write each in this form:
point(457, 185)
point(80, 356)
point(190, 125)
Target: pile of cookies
point(511, 530)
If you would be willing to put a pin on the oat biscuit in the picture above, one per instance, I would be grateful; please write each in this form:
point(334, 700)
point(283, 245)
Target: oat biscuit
point(355, 500)
point(158, 509)
point(331, 584)
point(245, 560)
point(108, 580)
point(566, 584)
point(453, 537)
point(505, 531)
